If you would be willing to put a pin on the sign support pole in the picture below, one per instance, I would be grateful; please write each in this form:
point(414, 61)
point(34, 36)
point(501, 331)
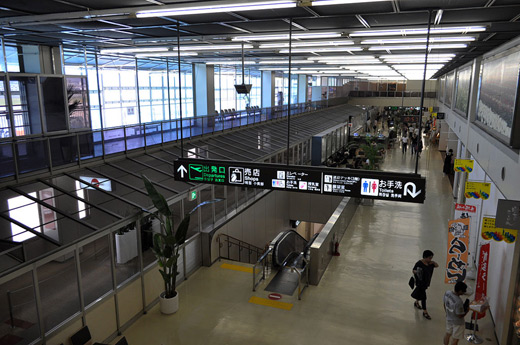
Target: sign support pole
point(289, 100)
point(180, 90)
point(423, 86)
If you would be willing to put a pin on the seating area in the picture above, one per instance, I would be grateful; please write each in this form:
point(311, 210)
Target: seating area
point(83, 337)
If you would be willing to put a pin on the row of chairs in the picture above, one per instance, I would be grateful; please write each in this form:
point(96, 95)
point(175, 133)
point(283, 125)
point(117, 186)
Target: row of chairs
point(83, 337)
point(231, 113)
point(253, 110)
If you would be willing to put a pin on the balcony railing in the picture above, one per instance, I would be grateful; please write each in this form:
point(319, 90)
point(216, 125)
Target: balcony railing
point(44, 153)
point(398, 94)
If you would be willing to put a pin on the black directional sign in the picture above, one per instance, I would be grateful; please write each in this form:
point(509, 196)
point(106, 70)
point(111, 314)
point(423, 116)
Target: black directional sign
point(334, 181)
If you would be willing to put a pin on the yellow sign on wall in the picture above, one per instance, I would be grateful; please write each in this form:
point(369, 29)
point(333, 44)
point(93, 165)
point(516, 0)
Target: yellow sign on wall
point(489, 232)
point(463, 165)
point(477, 190)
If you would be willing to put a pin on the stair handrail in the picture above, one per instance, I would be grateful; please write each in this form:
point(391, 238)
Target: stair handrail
point(237, 242)
point(264, 262)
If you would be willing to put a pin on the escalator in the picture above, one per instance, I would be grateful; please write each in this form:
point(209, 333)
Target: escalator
point(290, 255)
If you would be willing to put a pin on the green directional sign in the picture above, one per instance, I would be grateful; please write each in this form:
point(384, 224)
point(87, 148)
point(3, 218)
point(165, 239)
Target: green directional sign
point(370, 184)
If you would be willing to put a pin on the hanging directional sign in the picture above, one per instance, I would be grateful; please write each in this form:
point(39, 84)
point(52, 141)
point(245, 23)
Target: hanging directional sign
point(342, 182)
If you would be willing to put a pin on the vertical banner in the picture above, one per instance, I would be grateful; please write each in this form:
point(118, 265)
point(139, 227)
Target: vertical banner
point(483, 264)
point(457, 258)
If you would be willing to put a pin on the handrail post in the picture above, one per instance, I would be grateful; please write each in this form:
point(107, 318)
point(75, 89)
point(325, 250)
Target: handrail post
point(11, 318)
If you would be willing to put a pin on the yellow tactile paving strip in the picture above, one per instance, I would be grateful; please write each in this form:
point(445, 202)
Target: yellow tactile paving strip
point(237, 268)
point(271, 303)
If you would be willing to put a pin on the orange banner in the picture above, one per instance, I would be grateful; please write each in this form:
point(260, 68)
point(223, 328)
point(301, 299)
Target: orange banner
point(457, 258)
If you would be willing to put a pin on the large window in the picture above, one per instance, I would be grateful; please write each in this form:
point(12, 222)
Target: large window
point(153, 90)
point(226, 96)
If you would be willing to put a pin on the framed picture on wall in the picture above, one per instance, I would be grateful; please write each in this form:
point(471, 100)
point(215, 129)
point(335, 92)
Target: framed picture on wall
point(462, 85)
point(497, 107)
point(448, 92)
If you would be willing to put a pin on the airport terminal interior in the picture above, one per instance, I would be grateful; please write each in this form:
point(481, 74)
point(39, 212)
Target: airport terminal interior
point(242, 171)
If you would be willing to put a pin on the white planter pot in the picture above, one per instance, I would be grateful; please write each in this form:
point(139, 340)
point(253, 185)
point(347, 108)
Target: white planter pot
point(169, 305)
point(126, 246)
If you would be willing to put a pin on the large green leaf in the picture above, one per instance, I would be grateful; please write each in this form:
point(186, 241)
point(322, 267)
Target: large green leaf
point(182, 230)
point(157, 198)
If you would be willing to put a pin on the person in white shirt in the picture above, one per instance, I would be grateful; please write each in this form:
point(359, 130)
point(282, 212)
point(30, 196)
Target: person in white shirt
point(404, 141)
point(455, 313)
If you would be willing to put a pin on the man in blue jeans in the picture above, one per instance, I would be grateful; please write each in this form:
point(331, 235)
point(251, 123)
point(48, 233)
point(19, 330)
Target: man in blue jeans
point(455, 313)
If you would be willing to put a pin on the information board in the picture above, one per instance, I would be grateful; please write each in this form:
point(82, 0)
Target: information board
point(306, 179)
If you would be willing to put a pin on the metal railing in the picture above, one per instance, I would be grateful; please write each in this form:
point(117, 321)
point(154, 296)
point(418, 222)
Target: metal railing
point(253, 252)
point(302, 274)
point(46, 152)
point(263, 261)
point(431, 94)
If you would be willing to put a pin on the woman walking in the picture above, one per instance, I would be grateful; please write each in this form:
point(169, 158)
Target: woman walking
point(423, 271)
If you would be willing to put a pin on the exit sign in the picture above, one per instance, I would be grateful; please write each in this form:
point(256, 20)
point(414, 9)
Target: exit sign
point(193, 195)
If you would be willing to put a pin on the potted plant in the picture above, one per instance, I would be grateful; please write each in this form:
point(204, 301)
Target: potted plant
point(166, 245)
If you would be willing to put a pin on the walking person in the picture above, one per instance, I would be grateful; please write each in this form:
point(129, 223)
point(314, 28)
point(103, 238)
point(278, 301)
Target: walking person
point(423, 271)
point(419, 147)
point(455, 313)
point(404, 142)
point(446, 169)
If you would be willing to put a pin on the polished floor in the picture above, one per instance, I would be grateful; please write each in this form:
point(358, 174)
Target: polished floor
point(363, 298)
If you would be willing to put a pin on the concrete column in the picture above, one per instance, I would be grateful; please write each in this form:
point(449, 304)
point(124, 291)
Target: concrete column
point(268, 99)
point(31, 59)
point(302, 88)
point(204, 89)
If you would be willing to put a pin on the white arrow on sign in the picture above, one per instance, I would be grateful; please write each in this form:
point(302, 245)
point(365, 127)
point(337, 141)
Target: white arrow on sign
point(412, 189)
point(183, 170)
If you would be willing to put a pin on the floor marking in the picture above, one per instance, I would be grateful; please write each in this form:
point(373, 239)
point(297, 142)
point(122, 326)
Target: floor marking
point(237, 268)
point(270, 303)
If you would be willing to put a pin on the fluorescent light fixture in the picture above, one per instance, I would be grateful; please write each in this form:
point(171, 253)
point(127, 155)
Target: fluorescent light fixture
point(307, 44)
point(284, 62)
point(412, 56)
point(420, 47)
point(438, 17)
point(319, 68)
point(353, 62)
point(214, 47)
point(320, 50)
point(284, 69)
point(419, 40)
point(344, 58)
point(341, 2)
point(165, 54)
point(133, 50)
point(286, 36)
point(419, 31)
point(368, 67)
point(383, 78)
point(416, 61)
point(237, 62)
point(216, 7)
point(418, 67)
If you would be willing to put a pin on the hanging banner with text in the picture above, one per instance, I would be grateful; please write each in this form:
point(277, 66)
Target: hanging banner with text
point(477, 190)
point(463, 165)
point(490, 232)
point(457, 258)
point(482, 275)
point(340, 182)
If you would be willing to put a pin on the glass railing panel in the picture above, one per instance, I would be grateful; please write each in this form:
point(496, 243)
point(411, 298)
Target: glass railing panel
point(64, 150)
point(220, 207)
point(96, 271)
point(134, 138)
point(18, 310)
point(6, 160)
point(153, 133)
point(169, 131)
point(206, 210)
point(185, 128)
point(194, 219)
point(58, 284)
point(88, 146)
point(32, 155)
point(126, 254)
point(208, 124)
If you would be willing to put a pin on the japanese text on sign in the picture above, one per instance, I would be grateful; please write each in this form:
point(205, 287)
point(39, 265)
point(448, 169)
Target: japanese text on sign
point(457, 258)
point(341, 182)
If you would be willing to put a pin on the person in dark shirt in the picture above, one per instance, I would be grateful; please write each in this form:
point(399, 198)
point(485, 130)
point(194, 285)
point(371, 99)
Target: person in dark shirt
point(423, 271)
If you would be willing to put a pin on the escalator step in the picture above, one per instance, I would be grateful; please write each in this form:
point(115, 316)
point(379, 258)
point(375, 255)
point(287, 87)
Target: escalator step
point(284, 282)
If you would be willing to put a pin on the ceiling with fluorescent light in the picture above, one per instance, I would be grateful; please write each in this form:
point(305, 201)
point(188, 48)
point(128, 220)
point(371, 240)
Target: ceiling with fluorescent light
point(346, 36)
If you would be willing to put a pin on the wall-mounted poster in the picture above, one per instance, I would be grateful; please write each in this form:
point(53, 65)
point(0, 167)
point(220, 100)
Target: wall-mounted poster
point(498, 94)
point(441, 88)
point(450, 80)
point(462, 91)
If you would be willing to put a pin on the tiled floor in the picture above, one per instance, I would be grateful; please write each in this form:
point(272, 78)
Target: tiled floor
point(363, 297)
